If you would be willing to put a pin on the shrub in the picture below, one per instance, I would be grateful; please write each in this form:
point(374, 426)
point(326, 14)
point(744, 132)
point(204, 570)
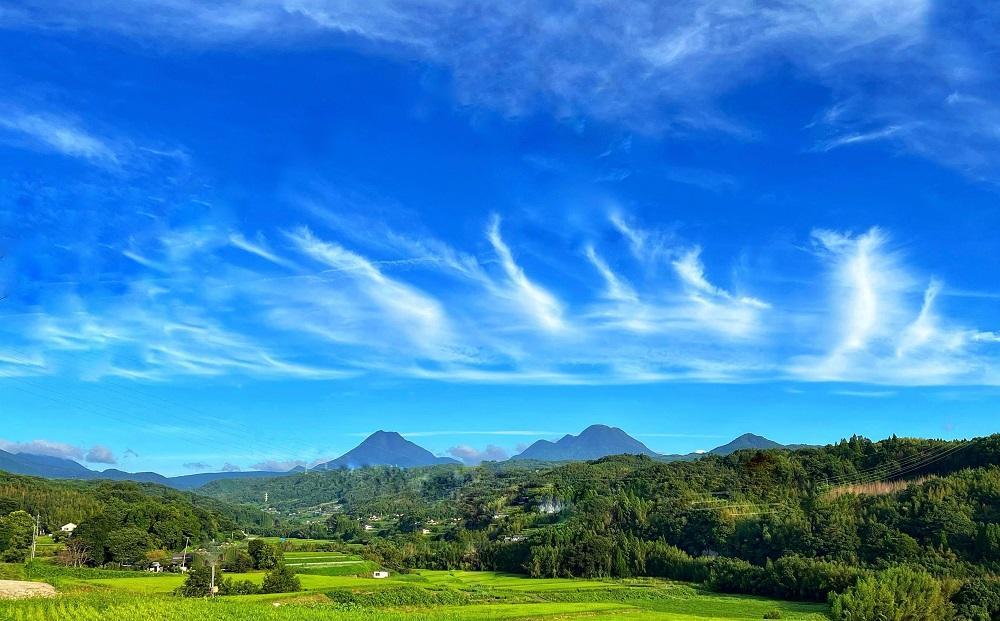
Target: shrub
point(772, 614)
point(900, 593)
point(281, 579)
point(238, 587)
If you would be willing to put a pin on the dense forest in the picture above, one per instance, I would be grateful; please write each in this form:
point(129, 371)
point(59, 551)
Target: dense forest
point(797, 524)
point(120, 522)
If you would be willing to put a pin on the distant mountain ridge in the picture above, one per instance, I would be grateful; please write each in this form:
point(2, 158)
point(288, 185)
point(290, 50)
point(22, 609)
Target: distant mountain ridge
point(599, 441)
point(593, 442)
point(386, 448)
point(49, 467)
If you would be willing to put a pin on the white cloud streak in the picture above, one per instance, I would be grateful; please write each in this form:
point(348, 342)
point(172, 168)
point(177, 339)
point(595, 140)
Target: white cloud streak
point(218, 307)
point(60, 135)
point(535, 300)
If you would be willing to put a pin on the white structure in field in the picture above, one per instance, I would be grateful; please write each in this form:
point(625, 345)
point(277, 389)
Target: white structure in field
point(68, 528)
point(380, 574)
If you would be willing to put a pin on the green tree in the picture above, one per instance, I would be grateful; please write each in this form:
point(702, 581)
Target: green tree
point(198, 582)
point(16, 529)
point(281, 579)
point(264, 554)
point(978, 600)
point(129, 545)
point(241, 562)
point(896, 594)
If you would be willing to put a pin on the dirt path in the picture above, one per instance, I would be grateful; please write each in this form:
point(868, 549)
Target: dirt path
point(16, 589)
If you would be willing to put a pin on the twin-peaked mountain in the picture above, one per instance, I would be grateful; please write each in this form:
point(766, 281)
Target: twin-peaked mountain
point(599, 441)
point(593, 442)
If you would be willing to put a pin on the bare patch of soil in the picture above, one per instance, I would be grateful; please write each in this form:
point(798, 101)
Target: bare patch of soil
point(17, 589)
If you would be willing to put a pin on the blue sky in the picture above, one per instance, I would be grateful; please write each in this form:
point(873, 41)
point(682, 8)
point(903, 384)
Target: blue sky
point(248, 233)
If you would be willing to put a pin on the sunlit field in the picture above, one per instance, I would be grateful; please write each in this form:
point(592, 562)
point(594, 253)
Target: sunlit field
point(87, 594)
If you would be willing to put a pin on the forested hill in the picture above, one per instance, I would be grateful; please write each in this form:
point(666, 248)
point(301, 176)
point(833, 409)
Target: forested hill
point(166, 516)
point(791, 524)
point(854, 461)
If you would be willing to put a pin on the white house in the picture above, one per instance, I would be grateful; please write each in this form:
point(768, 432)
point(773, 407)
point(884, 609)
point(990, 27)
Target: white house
point(380, 574)
point(369, 527)
point(68, 528)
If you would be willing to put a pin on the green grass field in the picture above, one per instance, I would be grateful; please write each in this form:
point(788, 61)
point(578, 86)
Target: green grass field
point(418, 596)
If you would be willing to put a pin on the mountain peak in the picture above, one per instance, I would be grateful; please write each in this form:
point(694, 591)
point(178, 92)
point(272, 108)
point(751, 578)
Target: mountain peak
point(746, 441)
point(594, 442)
point(385, 448)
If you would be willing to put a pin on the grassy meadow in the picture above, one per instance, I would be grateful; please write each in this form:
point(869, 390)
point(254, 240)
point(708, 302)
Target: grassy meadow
point(94, 594)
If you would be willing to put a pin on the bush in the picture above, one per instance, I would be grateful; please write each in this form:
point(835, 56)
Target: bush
point(281, 579)
point(772, 614)
point(900, 593)
point(238, 587)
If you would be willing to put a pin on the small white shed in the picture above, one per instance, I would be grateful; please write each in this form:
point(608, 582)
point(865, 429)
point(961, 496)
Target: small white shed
point(380, 574)
point(68, 528)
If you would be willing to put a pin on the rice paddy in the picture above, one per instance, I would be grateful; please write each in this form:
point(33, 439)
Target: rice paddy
point(416, 596)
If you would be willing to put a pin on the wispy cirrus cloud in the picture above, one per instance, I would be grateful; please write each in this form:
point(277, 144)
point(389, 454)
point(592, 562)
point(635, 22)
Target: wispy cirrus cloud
point(887, 330)
point(57, 134)
point(659, 67)
point(535, 300)
point(303, 305)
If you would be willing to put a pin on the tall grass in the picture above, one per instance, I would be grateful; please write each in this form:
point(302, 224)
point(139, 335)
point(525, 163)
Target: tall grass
point(875, 488)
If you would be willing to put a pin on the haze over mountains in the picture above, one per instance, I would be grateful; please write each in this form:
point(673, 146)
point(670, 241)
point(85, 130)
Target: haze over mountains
point(385, 448)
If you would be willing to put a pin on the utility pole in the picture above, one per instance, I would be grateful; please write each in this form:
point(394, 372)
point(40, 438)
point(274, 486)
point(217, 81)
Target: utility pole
point(185, 555)
point(212, 589)
point(34, 537)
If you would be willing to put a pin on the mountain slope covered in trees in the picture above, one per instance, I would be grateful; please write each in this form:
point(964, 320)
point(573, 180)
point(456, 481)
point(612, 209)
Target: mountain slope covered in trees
point(120, 521)
point(823, 514)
